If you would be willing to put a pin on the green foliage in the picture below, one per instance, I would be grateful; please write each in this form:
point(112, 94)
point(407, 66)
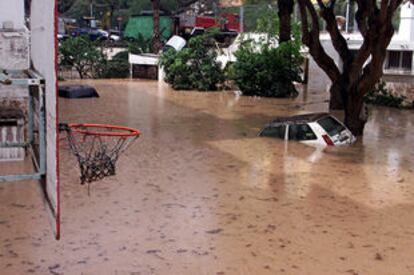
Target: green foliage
point(118, 67)
point(139, 45)
point(122, 56)
point(83, 54)
point(267, 72)
point(268, 23)
point(262, 69)
point(194, 67)
point(381, 95)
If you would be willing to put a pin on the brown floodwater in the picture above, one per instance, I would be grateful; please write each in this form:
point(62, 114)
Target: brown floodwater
point(199, 193)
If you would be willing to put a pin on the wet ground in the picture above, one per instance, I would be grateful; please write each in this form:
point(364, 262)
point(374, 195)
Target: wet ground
point(199, 193)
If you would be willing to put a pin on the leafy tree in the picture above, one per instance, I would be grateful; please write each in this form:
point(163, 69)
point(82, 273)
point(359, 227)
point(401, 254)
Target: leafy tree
point(359, 71)
point(194, 67)
point(83, 55)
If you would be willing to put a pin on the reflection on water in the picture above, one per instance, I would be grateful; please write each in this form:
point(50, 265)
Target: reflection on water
point(199, 193)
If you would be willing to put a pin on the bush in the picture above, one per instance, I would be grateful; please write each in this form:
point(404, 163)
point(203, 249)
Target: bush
point(269, 71)
point(115, 69)
point(118, 67)
point(194, 67)
point(265, 67)
point(121, 56)
point(381, 95)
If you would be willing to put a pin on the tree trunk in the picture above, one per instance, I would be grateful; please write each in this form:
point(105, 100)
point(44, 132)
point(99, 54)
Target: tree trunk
point(336, 101)
point(156, 37)
point(347, 96)
point(355, 114)
point(285, 10)
point(80, 72)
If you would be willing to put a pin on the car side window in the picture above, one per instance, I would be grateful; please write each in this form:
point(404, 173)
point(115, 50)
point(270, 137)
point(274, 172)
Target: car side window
point(301, 132)
point(277, 132)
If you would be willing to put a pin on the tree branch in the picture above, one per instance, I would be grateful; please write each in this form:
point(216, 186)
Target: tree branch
point(361, 17)
point(338, 41)
point(373, 71)
point(311, 40)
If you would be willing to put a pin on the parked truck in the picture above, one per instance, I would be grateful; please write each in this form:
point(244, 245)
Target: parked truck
point(191, 25)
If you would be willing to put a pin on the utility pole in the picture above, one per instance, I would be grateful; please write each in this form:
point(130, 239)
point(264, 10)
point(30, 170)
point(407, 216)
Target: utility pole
point(241, 18)
point(91, 9)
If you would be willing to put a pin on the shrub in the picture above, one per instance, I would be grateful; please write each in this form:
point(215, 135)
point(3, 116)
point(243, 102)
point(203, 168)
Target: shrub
point(118, 67)
point(115, 69)
point(265, 67)
point(381, 95)
point(194, 67)
point(121, 56)
point(269, 71)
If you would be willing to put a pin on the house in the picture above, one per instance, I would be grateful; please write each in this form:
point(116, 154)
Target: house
point(398, 65)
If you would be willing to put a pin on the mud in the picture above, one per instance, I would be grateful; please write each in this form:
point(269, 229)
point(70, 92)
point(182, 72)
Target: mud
point(199, 193)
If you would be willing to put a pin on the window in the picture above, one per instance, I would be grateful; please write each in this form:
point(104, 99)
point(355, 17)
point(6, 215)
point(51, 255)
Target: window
point(277, 132)
point(301, 132)
point(399, 60)
point(393, 59)
point(331, 126)
point(407, 60)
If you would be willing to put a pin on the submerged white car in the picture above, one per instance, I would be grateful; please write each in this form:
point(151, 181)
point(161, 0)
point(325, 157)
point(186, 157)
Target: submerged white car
point(317, 129)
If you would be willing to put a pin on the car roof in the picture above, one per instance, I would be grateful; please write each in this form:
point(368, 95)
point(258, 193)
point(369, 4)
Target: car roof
point(299, 119)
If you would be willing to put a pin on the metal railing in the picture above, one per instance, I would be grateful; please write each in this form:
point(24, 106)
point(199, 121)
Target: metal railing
point(35, 143)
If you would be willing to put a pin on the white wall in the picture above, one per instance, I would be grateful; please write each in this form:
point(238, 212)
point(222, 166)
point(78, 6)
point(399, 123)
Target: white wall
point(406, 29)
point(43, 57)
point(12, 10)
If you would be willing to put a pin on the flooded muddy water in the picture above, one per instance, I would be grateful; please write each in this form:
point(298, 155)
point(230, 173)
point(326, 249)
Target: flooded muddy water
point(199, 193)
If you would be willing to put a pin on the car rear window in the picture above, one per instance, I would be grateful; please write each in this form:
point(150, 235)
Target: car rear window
point(277, 132)
point(331, 126)
point(301, 132)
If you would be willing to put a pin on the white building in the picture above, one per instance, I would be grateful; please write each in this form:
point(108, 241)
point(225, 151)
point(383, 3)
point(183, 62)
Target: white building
point(398, 65)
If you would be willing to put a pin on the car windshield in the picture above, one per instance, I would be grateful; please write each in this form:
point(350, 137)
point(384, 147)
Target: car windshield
point(301, 132)
point(331, 126)
point(277, 132)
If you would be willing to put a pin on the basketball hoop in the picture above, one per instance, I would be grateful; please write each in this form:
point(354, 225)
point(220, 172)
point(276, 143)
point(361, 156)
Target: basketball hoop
point(98, 147)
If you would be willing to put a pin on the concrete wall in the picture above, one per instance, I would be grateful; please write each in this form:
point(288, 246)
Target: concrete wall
point(14, 54)
point(12, 10)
